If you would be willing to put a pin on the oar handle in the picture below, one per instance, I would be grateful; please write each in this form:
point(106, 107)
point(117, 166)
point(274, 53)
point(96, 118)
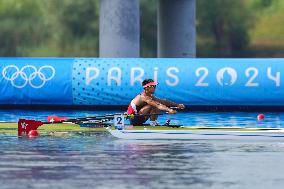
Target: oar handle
point(174, 108)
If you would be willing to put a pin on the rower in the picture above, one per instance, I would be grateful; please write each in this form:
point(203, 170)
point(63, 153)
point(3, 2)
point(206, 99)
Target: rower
point(145, 105)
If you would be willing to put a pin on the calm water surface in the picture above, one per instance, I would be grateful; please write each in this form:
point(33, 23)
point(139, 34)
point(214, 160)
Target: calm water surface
point(97, 160)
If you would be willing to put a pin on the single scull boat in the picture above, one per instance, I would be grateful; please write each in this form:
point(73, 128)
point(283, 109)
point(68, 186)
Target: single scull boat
point(201, 133)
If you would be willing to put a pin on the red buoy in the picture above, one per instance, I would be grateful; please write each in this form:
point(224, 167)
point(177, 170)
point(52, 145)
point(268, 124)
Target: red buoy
point(33, 133)
point(260, 117)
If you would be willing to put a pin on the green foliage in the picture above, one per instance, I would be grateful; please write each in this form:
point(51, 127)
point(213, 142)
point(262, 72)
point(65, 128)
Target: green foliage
point(75, 27)
point(21, 26)
point(148, 19)
point(261, 4)
point(79, 21)
point(225, 28)
point(267, 34)
point(269, 26)
point(223, 24)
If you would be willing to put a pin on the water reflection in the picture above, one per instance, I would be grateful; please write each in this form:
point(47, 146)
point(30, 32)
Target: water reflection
point(102, 161)
point(97, 160)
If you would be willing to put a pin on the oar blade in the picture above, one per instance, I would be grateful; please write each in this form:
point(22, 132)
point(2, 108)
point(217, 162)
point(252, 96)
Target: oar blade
point(56, 118)
point(25, 126)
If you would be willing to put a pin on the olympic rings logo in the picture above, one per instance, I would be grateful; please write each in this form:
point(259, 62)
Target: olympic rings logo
point(28, 74)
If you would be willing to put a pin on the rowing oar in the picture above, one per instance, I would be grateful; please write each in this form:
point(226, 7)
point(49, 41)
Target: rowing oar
point(107, 117)
point(25, 126)
point(98, 117)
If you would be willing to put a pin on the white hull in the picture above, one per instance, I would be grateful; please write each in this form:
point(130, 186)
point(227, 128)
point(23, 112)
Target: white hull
point(275, 134)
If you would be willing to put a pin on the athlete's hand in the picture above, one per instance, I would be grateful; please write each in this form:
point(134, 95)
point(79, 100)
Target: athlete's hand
point(180, 106)
point(172, 111)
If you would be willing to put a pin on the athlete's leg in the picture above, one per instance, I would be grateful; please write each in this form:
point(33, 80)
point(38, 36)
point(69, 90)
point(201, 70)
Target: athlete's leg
point(145, 110)
point(154, 114)
point(151, 112)
point(139, 119)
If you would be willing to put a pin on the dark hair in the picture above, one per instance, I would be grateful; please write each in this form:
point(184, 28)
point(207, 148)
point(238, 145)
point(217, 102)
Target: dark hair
point(146, 81)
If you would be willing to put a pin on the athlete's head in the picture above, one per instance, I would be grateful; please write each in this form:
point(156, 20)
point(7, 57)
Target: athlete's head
point(149, 85)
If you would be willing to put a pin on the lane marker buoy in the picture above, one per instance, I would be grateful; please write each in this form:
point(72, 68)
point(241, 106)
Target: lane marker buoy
point(260, 117)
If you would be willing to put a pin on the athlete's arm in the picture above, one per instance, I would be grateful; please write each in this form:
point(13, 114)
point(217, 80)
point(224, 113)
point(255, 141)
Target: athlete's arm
point(160, 106)
point(169, 103)
point(165, 102)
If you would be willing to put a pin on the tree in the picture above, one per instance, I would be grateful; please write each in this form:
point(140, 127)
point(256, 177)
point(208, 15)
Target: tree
point(225, 25)
point(79, 28)
point(21, 26)
point(148, 40)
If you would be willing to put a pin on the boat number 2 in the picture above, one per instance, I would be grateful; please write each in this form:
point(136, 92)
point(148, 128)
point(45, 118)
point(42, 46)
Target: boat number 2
point(118, 120)
point(227, 76)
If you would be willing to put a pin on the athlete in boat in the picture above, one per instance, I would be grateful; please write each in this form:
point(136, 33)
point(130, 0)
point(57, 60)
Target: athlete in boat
point(147, 104)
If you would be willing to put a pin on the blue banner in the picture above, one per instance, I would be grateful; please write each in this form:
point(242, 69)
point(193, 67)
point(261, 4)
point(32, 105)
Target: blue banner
point(188, 81)
point(115, 81)
point(36, 81)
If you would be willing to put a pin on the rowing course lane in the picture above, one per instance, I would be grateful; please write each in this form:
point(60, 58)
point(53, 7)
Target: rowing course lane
point(100, 161)
point(210, 119)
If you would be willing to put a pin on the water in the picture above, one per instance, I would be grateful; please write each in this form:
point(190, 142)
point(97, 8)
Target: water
point(210, 119)
point(97, 160)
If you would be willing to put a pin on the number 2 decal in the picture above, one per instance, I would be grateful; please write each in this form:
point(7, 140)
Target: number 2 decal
point(119, 120)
